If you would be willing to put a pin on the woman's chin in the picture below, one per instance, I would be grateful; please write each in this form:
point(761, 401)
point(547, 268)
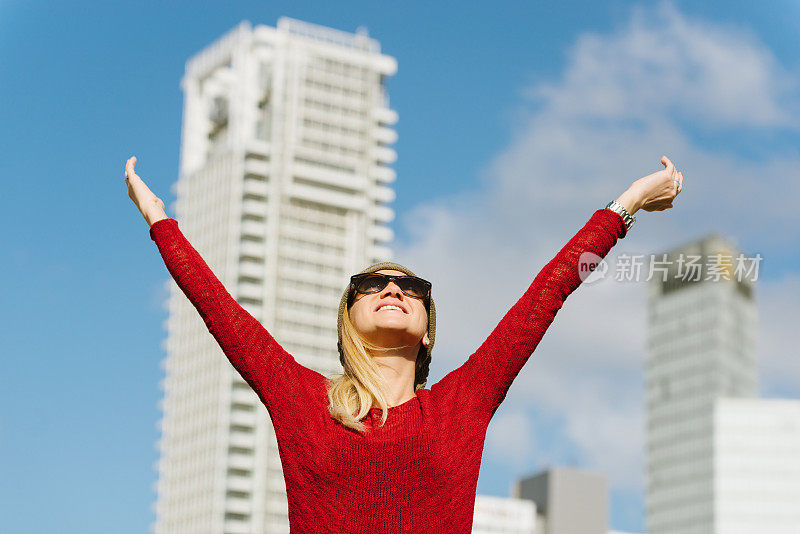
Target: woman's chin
point(395, 326)
point(392, 320)
point(393, 334)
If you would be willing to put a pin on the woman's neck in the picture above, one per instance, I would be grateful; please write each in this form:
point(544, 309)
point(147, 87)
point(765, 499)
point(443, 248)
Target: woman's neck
point(398, 372)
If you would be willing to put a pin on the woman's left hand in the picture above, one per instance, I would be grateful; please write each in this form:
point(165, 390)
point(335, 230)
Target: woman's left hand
point(658, 190)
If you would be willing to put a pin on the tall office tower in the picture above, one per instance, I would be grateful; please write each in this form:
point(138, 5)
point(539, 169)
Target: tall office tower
point(701, 347)
point(283, 191)
point(757, 466)
point(568, 500)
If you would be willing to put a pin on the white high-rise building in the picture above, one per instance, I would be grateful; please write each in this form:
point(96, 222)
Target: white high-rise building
point(757, 466)
point(701, 339)
point(283, 191)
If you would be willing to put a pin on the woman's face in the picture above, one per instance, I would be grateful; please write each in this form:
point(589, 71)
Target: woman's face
point(387, 326)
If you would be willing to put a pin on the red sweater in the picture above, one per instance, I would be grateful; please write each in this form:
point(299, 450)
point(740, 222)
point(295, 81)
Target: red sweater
point(419, 472)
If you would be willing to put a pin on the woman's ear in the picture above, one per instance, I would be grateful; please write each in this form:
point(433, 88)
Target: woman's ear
point(426, 340)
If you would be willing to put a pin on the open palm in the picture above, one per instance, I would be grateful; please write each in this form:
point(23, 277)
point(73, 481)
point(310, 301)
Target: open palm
point(151, 207)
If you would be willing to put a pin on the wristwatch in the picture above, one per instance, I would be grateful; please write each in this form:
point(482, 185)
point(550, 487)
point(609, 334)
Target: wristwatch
point(619, 208)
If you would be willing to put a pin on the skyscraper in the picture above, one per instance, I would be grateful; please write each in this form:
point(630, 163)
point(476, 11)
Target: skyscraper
point(757, 466)
point(701, 343)
point(283, 191)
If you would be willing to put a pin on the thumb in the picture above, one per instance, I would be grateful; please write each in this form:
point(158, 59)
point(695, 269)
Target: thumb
point(668, 164)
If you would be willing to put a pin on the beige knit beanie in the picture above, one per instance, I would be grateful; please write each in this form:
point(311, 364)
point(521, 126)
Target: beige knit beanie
point(424, 356)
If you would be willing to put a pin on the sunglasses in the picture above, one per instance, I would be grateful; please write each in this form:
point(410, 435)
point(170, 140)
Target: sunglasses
point(413, 286)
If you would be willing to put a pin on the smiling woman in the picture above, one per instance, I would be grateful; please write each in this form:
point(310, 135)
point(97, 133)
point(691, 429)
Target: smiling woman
point(353, 462)
point(387, 324)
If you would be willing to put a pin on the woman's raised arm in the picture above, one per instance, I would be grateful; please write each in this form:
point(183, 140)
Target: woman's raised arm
point(271, 371)
point(484, 379)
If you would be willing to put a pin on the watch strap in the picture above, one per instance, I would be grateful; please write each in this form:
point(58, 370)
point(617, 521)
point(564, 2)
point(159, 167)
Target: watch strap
point(620, 209)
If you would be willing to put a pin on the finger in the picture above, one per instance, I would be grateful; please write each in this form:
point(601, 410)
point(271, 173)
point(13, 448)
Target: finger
point(676, 181)
point(129, 166)
point(680, 179)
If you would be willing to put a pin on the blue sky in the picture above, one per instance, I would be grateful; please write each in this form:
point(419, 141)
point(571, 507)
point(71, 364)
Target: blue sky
point(485, 94)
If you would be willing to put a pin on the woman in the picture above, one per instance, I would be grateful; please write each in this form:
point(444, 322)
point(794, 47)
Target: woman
point(374, 450)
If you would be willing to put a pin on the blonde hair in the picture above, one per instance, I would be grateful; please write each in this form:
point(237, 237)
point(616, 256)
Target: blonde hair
point(352, 394)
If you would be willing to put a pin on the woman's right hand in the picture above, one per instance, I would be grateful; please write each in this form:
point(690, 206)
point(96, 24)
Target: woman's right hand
point(151, 207)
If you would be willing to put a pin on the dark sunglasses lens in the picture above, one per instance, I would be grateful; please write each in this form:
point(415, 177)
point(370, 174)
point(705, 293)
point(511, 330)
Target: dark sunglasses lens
point(413, 286)
point(371, 284)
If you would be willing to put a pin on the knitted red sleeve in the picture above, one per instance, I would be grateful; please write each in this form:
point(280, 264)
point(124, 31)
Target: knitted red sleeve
point(484, 379)
point(271, 371)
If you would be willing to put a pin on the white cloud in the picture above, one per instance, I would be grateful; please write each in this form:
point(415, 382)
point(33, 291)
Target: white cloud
point(621, 104)
point(719, 75)
point(512, 438)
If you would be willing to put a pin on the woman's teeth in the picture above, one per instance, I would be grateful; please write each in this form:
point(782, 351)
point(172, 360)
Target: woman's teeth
point(389, 307)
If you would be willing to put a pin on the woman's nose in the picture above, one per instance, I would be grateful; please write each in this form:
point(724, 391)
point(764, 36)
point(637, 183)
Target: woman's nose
point(393, 288)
